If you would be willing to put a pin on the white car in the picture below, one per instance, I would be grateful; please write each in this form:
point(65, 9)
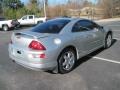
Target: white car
point(6, 24)
point(31, 20)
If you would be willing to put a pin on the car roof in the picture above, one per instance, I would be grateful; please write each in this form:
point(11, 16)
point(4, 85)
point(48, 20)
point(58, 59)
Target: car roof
point(68, 18)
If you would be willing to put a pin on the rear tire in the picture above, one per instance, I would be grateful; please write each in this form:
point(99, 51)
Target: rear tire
point(5, 27)
point(108, 40)
point(66, 61)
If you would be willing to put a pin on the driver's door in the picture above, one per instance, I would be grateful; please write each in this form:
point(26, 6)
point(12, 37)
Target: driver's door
point(93, 37)
point(24, 20)
point(97, 33)
point(96, 36)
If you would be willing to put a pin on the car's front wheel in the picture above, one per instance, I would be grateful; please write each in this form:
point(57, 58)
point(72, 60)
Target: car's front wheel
point(66, 61)
point(108, 40)
point(5, 27)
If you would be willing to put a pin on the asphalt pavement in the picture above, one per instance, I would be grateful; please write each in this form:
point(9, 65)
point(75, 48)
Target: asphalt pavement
point(97, 71)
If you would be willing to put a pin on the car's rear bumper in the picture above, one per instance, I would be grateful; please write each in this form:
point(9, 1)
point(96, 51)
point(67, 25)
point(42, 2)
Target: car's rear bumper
point(37, 67)
point(26, 62)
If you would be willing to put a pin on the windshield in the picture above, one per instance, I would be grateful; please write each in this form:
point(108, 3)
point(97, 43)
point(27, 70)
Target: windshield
point(52, 26)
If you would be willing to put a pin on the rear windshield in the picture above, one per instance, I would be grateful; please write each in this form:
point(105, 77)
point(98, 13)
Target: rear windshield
point(52, 26)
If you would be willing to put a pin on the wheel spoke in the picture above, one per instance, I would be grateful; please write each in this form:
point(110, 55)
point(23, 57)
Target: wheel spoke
point(69, 55)
point(64, 63)
point(67, 66)
point(65, 57)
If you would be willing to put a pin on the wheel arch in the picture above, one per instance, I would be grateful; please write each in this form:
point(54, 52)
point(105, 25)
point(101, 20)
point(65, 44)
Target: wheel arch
point(67, 47)
point(4, 25)
point(109, 32)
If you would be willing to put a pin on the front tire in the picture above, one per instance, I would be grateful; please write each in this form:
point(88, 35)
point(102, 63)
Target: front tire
point(5, 27)
point(108, 40)
point(66, 61)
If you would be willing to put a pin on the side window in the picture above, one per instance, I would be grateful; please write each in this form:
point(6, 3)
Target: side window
point(30, 17)
point(24, 17)
point(95, 25)
point(86, 23)
point(78, 28)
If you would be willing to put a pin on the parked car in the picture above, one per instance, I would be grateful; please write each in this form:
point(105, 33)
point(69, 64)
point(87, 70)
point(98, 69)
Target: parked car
point(31, 20)
point(5, 24)
point(57, 44)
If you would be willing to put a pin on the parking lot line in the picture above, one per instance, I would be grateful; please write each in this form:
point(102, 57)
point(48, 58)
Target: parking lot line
point(117, 34)
point(113, 25)
point(108, 60)
point(117, 39)
point(116, 30)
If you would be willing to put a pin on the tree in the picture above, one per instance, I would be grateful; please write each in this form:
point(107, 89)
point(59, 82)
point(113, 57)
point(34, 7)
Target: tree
point(13, 3)
point(33, 7)
point(0, 6)
point(11, 8)
point(110, 7)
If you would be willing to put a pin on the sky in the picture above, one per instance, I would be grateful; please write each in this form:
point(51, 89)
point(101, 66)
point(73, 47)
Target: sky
point(53, 2)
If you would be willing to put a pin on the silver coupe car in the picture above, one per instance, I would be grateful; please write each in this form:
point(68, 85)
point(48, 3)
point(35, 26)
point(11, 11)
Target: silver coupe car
point(57, 44)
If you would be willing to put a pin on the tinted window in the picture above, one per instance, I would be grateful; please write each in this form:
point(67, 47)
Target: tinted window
point(52, 26)
point(78, 28)
point(30, 17)
point(86, 23)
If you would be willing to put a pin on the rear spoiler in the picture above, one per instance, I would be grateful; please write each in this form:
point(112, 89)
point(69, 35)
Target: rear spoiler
point(32, 35)
point(21, 34)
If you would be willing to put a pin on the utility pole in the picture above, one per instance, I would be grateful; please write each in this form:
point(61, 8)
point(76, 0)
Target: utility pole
point(94, 9)
point(45, 8)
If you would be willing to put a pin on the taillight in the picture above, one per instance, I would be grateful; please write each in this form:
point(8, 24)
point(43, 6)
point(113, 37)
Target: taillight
point(35, 45)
